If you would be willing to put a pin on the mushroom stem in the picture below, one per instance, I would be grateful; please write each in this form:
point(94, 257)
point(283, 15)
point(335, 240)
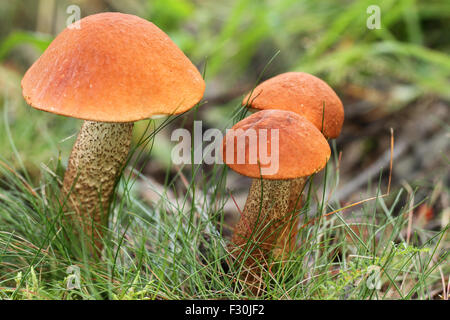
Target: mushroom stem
point(95, 163)
point(269, 220)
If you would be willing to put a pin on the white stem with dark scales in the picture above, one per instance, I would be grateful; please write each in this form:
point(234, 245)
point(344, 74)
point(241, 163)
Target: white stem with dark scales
point(269, 221)
point(95, 163)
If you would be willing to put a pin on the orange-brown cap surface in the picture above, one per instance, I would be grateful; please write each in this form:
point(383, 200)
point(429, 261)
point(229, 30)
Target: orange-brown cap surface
point(302, 149)
point(304, 94)
point(115, 68)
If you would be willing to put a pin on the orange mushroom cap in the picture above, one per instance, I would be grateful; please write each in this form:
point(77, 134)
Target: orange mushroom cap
point(302, 149)
point(304, 94)
point(115, 68)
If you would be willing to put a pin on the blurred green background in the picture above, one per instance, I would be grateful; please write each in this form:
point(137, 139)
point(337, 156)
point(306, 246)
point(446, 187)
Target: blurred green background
point(394, 77)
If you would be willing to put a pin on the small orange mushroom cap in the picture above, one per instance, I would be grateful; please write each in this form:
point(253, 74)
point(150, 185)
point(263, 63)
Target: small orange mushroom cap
point(304, 94)
point(302, 149)
point(115, 68)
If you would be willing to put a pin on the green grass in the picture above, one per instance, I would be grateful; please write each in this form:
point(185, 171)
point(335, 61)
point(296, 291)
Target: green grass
point(174, 249)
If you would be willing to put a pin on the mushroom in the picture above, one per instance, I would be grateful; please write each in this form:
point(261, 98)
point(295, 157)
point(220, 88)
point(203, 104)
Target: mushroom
point(301, 93)
point(268, 218)
point(112, 71)
point(305, 95)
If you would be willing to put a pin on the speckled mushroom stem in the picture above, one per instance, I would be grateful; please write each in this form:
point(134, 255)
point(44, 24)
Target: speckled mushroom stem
point(269, 220)
point(95, 163)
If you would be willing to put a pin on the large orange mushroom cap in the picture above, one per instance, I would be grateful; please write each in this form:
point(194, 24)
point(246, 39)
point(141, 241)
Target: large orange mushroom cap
point(304, 94)
point(302, 149)
point(115, 68)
